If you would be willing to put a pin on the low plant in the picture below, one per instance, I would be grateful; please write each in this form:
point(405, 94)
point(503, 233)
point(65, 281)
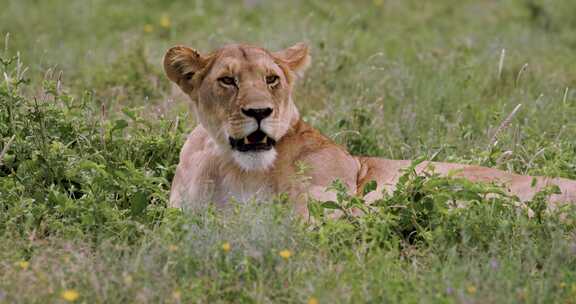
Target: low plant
point(68, 170)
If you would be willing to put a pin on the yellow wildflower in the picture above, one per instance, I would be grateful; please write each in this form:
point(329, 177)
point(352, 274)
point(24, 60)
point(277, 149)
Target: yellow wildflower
point(471, 289)
point(70, 295)
point(226, 247)
point(165, 21)
point(172, 248)
point(285, 254)
point(23, 264)
point(176, 294)
point(148, 28)
point(312, 300)
point(128, 280)
point(521, 296)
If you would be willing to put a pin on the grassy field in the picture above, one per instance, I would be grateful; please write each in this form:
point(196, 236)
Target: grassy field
point(90, 132)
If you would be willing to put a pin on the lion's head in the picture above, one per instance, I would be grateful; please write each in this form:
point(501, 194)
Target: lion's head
point(241, 95)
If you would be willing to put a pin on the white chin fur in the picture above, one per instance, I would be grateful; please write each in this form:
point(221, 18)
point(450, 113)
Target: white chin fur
point(255, 161)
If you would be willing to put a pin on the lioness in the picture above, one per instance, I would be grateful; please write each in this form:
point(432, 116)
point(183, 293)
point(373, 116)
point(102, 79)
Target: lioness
point(251, 142)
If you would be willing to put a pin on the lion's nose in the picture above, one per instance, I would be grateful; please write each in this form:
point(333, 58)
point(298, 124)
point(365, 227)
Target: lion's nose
point(258, 113)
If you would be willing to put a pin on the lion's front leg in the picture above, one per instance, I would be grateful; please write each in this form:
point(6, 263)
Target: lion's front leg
point(196, 176)
point(190, 189)
point(301, 195)
point(319, 193)
point(316, 171)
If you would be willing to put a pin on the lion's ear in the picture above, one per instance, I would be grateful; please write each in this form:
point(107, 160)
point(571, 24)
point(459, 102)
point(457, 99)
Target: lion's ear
point(296, 57)
point(181, 63)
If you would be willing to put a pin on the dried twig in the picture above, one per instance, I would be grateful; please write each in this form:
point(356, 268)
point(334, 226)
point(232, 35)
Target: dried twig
point(102, 120)
point(6, 40)
point(6, 147)
point(504, 157)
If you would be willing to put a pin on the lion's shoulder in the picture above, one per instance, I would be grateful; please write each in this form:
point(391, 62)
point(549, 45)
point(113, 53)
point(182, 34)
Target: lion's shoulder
point(307, 146)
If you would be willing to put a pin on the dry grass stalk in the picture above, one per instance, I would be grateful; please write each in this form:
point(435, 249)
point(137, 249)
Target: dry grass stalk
point(522, 70)
point(501, 63)
point(504, 125)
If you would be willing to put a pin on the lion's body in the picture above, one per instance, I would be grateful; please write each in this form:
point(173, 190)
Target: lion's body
point(307, 163)
point(224, 159)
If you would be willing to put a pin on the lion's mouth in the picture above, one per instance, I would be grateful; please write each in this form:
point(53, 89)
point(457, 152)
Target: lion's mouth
point(256, 141)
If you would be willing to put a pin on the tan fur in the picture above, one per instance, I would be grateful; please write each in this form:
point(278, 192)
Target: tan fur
point(305, 162)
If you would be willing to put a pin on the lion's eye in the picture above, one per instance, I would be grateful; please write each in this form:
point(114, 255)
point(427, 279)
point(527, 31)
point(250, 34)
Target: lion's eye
point(272, 79)
point(226, 80)
point(189, 75)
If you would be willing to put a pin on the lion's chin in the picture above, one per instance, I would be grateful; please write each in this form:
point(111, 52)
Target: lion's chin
point(255, 161)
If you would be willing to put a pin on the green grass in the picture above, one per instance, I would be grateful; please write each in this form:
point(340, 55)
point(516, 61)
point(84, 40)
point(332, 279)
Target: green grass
point(97, 130)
